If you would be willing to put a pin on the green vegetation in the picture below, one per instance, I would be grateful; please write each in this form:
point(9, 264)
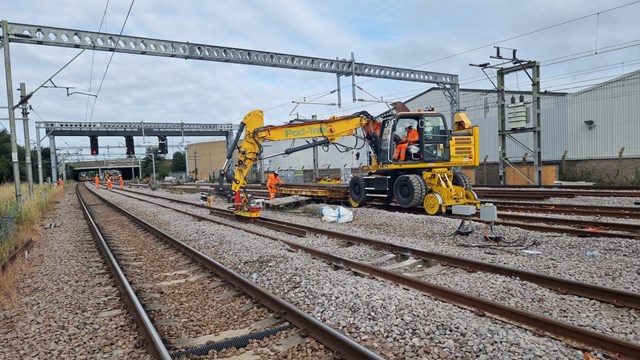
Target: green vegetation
point(6, 165)
point(25, 224)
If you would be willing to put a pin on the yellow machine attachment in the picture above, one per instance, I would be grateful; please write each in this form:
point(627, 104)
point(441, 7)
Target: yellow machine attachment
point(443, 193)
point(255, 133)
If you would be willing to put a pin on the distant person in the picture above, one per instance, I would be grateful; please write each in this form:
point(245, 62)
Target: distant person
point(97, 179)
point(121, 181)
point(109, 183)
point(274, 179)
point(61, 183)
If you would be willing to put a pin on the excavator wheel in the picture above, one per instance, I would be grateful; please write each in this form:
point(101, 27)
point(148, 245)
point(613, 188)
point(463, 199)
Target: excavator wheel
point(409, 190)
point(461, 179)
point(357, 192)
point(433, 203)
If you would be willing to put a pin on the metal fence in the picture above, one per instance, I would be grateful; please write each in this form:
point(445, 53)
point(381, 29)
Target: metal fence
point(7, 221)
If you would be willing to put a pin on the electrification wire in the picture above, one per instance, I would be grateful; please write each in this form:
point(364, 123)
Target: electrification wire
point(93, 57)
point(532, 32)
point(110, 59)
point(498, 42)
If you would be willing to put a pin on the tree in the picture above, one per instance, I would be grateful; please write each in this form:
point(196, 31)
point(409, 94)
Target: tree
point(179, 162)
point(6, 163)
point(6, 169)
point(147, 163)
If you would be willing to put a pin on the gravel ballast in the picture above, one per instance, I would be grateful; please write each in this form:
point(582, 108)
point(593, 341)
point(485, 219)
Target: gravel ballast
point(407, 324)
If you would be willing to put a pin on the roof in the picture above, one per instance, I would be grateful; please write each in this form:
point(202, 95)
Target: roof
point(616, 79)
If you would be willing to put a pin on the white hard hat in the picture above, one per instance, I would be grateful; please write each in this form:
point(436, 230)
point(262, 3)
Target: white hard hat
point(276, 172)
point(408, 125)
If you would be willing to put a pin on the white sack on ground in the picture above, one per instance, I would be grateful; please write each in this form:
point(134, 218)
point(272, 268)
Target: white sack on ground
point(340, 214)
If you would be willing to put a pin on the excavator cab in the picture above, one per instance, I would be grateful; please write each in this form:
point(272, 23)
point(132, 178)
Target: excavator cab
point(431, 146)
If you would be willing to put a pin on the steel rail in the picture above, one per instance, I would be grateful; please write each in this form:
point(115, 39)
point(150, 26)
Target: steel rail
point(613, 296)
point(601, 293)
point(571, 206)
point(566, 211)
point(155, 346)
point(541, 325)
point(569, 209)
point(342, 345)
point(226, 213)
point(572, 222)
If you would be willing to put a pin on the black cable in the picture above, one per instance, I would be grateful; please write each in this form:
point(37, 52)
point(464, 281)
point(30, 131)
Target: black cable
point(110, 59)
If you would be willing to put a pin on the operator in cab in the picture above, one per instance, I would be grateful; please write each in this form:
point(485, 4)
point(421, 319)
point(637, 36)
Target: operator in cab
point(401, 148)
point(271, 184)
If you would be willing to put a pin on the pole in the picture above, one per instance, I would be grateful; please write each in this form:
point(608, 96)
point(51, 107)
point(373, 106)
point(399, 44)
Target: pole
point(54, 159)
point(12, 118)
point(153, 163)
point(195, 162)
point(39, 151)
point(64, 169)
point(139, 169)
point(27, 140)
point(133, 171)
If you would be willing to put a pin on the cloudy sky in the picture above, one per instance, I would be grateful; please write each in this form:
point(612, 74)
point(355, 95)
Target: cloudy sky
point(579, 43)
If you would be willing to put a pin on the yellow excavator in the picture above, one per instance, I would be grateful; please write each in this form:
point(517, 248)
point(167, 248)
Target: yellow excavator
point(411, 169)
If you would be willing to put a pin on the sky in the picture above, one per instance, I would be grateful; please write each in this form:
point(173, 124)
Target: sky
point(579, 43)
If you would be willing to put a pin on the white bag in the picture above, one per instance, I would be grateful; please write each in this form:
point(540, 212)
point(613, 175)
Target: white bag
point(341, 214)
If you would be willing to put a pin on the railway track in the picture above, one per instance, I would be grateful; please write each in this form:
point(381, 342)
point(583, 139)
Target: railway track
point(156, 273)
point(410, 257)
point(569, 209)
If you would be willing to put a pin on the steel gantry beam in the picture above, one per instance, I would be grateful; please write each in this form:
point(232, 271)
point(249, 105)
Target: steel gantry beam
point(47, 35)
point(66, 128)
point(81, 39)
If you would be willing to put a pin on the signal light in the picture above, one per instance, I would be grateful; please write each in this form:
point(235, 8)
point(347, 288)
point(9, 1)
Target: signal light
point(162, 145)
point(130, 146)
point(94, 145)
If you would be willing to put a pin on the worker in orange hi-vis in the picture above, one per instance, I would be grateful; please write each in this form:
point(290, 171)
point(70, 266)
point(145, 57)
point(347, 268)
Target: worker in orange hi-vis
point(271, 184)
point(60, 183)
point(121, 182)
point(97, 182)
point(109, 183)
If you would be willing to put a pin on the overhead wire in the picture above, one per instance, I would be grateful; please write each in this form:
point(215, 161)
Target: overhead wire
point(579, 55)
point(111, 59)
point(93, 56)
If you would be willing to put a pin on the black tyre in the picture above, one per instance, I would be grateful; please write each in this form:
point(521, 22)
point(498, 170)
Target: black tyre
point(409, 190)
point(461, 179)
point(357, 192)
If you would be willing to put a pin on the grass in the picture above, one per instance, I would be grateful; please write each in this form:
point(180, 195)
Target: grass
point(27, 223)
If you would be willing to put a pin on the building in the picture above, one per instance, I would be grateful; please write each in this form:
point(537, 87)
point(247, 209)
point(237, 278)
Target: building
point(205, 159)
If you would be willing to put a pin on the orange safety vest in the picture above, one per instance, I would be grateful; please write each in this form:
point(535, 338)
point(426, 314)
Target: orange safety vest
point(273, 180)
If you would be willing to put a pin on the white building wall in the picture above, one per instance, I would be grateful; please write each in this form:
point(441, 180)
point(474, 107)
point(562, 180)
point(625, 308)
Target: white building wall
point(614, 108)
point(331, 156)
point(482, 109)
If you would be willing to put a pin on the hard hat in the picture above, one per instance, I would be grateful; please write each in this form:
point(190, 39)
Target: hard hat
point(276, 172)
point(408, 125)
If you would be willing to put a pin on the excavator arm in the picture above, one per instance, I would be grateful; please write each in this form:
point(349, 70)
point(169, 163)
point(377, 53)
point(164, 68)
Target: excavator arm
point(255, 134)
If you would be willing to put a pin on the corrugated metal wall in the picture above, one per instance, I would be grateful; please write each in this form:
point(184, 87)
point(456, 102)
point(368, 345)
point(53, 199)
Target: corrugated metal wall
point(614, 109)
point(482, 109)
